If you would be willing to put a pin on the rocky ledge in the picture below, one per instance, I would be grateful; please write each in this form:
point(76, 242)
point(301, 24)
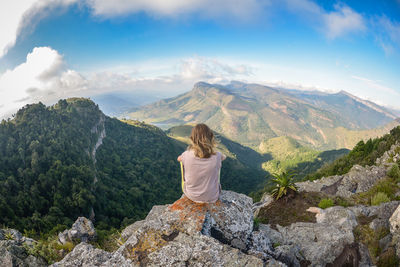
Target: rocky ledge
point(224, 234)
point(187, 234)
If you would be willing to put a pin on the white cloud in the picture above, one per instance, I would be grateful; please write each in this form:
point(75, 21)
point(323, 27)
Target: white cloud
point(338, 23)
point(211, 70)
point(42, 77)
point(387, 34)
point(343, 21)
point(241, 9)
point(23, 15)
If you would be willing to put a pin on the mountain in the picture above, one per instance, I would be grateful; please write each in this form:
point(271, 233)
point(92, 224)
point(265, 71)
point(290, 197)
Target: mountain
point(250, 114)
point(70, 160)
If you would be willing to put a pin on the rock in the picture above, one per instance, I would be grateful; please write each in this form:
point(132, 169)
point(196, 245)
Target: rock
point(358, 179)
point(365, 258)
point(275, 236)
point(339, 217)
point(394, 222)
point(317, 185)
point(264, 202)
point(187, 234)
point(392, 155)
point(86, 255)
point(187, 250)
point(350, 256)
point(318, 243)
point(82, 231)
point(13, 250)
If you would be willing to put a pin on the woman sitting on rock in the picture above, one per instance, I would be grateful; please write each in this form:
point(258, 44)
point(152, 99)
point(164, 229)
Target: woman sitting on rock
point(201, 165)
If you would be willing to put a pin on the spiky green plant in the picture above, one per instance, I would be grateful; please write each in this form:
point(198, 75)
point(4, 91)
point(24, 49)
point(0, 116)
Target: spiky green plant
point(284, 181)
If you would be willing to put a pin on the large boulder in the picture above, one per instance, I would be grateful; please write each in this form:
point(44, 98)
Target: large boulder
point(316, 244)
point(194, 233)
point(186, 233)
point(81, 231)
point(13, 250)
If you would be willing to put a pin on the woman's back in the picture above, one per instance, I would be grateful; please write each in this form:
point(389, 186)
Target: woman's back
point(201, 176)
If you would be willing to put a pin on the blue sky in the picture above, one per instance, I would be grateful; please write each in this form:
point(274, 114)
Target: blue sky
point(62, 48)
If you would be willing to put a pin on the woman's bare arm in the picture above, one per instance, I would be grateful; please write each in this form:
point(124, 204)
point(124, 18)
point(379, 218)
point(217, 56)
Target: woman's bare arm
point(179, 158)
point(223, 157)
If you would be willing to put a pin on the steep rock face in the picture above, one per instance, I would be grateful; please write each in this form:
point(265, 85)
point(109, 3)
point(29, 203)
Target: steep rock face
point(13, 250)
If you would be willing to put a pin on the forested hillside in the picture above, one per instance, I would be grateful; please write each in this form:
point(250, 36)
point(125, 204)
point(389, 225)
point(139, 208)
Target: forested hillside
point(70, 160)
point(49, 175)
point(364, 153)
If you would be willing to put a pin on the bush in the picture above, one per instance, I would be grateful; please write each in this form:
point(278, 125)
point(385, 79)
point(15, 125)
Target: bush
point(284, 183)
point(379, 198)
point(325, 203)
point(394, 172)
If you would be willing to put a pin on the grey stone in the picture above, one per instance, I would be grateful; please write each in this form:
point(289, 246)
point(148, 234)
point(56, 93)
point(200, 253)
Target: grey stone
point(82, 230)
point(266, 199)
point(394, 222)
point(187, 234)
point(365, 260)
point(84, 255)
point(274, 236)
point(13, 251)
point(358, 179)
point(318, 243)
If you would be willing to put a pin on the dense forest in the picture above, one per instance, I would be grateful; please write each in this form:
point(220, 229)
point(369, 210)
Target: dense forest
point(70, 160)
point(49, 177)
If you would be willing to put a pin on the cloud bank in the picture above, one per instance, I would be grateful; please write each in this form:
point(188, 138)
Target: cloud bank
point(45, 77)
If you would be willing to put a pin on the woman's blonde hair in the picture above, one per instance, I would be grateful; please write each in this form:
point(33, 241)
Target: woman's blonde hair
point(203, 141)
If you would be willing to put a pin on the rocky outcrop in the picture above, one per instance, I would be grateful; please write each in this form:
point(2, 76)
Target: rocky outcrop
point(316, 244)
point(187, 234)
point(222, 234)
point(81, 231)
point(13, 250)
point(359, 179)
point(379, 214)
point(392, 155)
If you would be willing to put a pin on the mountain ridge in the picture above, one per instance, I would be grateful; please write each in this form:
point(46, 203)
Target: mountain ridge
point(252, 113)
